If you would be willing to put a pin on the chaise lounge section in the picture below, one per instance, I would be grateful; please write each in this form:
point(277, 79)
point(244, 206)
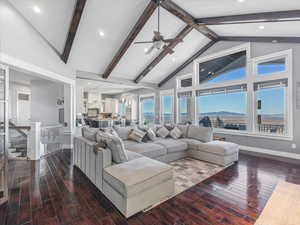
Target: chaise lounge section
point(145, 178)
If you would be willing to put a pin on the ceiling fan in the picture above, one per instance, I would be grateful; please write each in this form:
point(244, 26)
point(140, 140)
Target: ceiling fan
point(158, 41)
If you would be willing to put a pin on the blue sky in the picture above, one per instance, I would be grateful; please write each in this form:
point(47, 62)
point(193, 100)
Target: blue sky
point(272, 99)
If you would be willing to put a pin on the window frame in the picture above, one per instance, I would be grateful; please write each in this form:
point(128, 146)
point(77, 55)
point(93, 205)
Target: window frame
point(178, 105)
point(140, 106)
point(251, 78)
point(162, 94)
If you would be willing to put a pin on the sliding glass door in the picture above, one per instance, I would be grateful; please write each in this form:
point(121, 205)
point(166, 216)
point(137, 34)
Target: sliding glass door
point(3, 133)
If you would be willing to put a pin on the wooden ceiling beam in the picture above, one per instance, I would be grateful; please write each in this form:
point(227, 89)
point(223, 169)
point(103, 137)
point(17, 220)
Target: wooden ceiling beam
point(78, 11)
point(187, 62)
point(177, 11)
point(261, 39)
point(150, 9)
point(264, 17)
point(183, 33)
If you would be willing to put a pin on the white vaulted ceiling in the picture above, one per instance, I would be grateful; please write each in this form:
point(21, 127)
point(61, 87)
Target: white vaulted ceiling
point(92, 52)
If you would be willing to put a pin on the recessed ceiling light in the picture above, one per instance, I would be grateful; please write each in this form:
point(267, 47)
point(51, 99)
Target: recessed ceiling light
point(173, 59)
point(145, 49)
point(261, 27)
point(101, 33)
point(274, 41)
point(36, 9)
point(240, 0)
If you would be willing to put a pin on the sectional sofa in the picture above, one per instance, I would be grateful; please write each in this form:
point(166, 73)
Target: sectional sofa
point(146, 178)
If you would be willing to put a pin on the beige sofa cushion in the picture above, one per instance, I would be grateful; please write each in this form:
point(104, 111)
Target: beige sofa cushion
point(149, 149)
point(136, 135)
point(123, 132)
point(136, 176)
point(90, 133)
point(172, 145)
point(162, 132)
point(204, 134)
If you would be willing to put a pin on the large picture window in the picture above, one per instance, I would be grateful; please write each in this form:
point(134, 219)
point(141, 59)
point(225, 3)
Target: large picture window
point(147, 110)
point(224, 108)
point(234, 99)
point(185, 107)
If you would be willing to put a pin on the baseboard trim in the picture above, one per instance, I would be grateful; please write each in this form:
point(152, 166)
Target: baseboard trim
point(270, 152)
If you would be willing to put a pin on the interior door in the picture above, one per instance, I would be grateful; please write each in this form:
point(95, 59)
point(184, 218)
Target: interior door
point(23, 107)
point(3, 133)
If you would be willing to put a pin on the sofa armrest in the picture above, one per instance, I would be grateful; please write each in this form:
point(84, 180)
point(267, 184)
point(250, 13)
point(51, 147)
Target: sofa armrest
point(91, 160)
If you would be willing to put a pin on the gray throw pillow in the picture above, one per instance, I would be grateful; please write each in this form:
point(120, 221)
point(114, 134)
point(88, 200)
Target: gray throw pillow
point(137, 135)
point(162, 132)
point(175, 133)
point(204, 134)
point(123, 132)
point(183, 129)
point(90, 133)
point(116, 145)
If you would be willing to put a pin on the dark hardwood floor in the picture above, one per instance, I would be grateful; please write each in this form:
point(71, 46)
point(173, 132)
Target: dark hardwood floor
point(52, 192)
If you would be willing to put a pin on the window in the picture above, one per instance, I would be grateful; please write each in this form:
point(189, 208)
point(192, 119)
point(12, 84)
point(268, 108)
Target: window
point(185, 81)
point(122, 108)
point(147, 109)
point(167, 108)
point(225, 68)
point(272, 66)
point(255, 102)
point(185, 107)
point(271, 107)
point(224, 108)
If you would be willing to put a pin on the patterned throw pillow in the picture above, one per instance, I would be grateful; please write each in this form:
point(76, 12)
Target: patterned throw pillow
point(116, 145)
point(151, 134)
point(136, 135)
point(90, 133)
point(162, 132)
point(175, 133)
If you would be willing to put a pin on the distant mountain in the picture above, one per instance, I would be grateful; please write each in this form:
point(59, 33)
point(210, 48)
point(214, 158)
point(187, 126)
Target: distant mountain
point(224, 114)
point(233, 114)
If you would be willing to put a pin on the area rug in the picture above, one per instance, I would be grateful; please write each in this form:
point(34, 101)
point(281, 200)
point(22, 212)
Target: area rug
point(189, 172)
point(283, 208)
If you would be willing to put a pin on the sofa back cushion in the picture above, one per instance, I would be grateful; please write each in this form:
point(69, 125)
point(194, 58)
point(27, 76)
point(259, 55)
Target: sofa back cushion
point(90, 133)
point(151, 134)
point(183, 129)
point(137, 135)
point(123, 132)
point(204, 134)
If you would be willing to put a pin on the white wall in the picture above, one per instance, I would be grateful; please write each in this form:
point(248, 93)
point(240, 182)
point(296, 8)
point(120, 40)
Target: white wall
point(44, 95)
point(20, 40)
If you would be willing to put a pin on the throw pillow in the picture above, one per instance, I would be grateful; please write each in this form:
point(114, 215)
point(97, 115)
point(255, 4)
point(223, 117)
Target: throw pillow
point(136, 135)
point(175, 133)
point(123, 132)
point(162, 132)
point(183, 129)
point(151, 134)
point(116, 145)
point(90, 133)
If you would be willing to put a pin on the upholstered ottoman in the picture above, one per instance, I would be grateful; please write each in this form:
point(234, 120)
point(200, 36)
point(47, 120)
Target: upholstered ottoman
point(138, 184)
point(218, 152)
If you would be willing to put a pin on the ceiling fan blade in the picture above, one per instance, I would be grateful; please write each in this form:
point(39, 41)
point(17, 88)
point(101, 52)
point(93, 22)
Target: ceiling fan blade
point(173, 40)
point(150, 50)
point(143, 42)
